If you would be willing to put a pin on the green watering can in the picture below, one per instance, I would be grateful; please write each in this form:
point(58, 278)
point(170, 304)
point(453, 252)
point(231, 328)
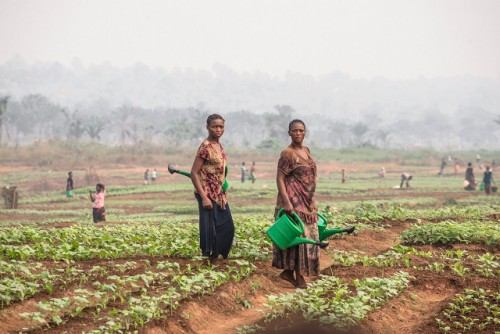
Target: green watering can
point(173, 170)
point(286, 231)
point(324, 233)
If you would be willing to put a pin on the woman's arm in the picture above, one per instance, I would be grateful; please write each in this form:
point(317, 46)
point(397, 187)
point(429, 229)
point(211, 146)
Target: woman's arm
point(280, 181)
point(195, 178)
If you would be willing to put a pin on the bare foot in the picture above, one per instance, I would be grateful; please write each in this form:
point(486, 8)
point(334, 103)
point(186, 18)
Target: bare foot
point(301, 282)
point(211, 260)
point(287, 275)
point(214, 260)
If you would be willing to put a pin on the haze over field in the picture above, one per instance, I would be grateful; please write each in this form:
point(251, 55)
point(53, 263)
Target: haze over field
point(386, 73)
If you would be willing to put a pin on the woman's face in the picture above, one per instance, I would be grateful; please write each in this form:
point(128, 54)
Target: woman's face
point(216, 128)
point(297, 132)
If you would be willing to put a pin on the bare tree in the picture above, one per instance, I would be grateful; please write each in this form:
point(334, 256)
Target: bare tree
point(94, 126)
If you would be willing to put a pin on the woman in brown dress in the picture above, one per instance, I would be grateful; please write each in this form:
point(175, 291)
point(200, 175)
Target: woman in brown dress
point(296, 180)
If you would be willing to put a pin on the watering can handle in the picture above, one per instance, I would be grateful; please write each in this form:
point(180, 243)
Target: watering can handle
point(295, 217)
point(323, 217)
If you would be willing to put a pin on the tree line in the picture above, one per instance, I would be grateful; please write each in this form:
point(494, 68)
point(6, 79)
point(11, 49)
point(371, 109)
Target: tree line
point(35, 117)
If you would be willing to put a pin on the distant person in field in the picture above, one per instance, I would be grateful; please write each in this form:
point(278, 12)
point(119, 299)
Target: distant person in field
point(405, 178)
point(478, 158)
point(69, 185)
point(493, 165)
point(146, 176)
point(153, 176)
point(207, 174)
point(252, 176)
point(381, 172)
point(296, 181)
point(98, 210)
point(456, 166)
point(343, 175)
point(443, 165)
point(469, 183)
point(487, 180)
point(243, 172)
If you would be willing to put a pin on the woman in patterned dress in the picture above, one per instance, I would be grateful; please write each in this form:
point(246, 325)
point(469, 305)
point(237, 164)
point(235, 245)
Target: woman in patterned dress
point(207, 174)
point(296, 180)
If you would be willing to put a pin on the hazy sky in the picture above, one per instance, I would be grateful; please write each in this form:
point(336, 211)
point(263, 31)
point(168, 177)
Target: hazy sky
point(397, 39)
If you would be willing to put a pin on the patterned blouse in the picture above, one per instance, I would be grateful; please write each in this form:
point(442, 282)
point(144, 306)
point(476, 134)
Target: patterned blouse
point(300, 183)
point(212, 171)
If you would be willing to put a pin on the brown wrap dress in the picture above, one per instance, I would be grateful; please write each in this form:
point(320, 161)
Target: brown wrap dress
point(300, 184)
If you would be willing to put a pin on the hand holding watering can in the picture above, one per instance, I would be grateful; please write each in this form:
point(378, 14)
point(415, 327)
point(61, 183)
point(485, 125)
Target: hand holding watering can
point(287, 229)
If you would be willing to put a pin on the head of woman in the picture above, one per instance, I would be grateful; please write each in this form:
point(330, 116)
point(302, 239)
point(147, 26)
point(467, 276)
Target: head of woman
point(297, 131)
point(215, 126)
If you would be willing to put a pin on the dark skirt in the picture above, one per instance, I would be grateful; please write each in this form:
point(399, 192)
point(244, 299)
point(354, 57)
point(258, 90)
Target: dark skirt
point(99, 214)
point(216, 229)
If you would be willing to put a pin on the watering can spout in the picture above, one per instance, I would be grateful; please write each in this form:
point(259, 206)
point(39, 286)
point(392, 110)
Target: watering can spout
point(184, 173)
point(298, 241)
point(173, 170)
point(324, 233)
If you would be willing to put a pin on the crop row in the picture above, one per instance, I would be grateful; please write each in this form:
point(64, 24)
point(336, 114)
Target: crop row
point(113, 242)
point(452, 232)
point(329, 300)
point(471, 311)
point(368, 212)
point(21, 280)
point(458, 261)
point(141, 297)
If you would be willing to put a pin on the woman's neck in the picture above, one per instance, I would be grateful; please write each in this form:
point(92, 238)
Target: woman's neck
point(296, 146)
point(213, 140)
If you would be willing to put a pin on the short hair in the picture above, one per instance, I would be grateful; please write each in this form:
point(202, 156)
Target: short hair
point(296, 121)
point(212, 117)
point(100, 187)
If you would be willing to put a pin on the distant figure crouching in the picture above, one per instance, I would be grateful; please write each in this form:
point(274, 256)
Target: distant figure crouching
point(405, 178)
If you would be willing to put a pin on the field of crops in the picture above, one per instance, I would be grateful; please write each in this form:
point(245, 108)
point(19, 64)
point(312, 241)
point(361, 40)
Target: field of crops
point(422, 260)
